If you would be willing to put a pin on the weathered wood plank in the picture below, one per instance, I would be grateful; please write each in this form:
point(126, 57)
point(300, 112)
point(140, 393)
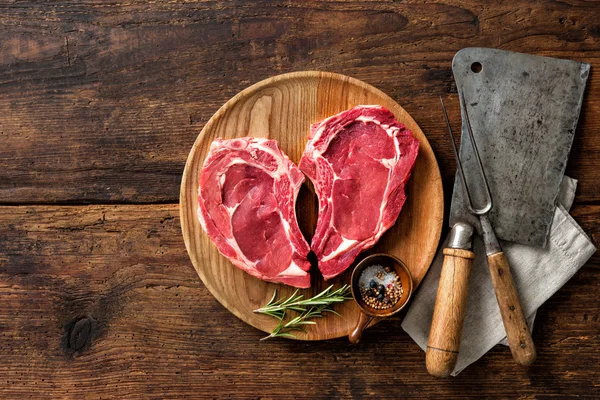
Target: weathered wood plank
point(101, 103)
point(156, 332)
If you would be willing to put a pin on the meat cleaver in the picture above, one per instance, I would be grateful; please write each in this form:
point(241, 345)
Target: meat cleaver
point(523, 111)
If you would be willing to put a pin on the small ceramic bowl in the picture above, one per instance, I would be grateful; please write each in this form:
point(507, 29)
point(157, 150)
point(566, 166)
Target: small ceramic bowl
point(368, 312)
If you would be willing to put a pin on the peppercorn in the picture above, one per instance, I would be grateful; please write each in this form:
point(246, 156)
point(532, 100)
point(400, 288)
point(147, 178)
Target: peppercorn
point(380, 295)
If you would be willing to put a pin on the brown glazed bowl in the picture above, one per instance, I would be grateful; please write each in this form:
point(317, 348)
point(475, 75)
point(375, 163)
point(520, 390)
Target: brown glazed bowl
point(368, 312)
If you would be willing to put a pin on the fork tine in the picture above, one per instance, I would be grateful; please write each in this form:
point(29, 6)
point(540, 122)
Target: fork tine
point(488, 194)
point(466, 192)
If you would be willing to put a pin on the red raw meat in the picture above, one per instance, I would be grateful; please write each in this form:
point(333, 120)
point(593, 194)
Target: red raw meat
point(359, 162)
point(246, 205)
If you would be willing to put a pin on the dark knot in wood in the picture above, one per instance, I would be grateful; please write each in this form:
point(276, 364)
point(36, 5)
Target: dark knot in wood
point(80, 333)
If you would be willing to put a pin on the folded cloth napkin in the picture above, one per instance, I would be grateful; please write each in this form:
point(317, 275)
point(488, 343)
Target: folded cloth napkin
point(538, 274)
point(566, 195)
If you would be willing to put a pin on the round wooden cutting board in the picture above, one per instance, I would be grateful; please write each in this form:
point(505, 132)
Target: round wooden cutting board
point(283, 108)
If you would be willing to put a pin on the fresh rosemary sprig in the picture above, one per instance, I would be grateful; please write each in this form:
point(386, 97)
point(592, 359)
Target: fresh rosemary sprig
point(277, 308)
point(313, 307)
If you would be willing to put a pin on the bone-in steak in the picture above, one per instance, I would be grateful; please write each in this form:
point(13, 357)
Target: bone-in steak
point(359, 162)
point(246, 201)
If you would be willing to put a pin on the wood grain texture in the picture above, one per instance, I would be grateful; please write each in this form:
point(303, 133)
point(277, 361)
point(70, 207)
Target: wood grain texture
point(101, 103)
point(283, 108)
point(159, 333)
point(517, 332)
point(449, 312)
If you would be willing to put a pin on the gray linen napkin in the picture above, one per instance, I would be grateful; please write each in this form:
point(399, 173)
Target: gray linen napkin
point(538, 274)
point(566, 195)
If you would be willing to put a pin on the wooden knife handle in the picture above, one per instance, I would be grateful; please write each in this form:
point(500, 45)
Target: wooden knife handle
point(449, 312)
point(515, 324)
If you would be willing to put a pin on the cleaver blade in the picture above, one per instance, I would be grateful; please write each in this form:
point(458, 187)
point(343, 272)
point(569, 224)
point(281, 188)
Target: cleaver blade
point(523, 111)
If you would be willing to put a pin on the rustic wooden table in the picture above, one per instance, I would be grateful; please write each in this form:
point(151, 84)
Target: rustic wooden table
point(99, 106)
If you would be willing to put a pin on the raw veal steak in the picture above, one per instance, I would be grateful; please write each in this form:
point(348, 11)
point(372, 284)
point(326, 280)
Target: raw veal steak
point(359, 162)
point(246, 201)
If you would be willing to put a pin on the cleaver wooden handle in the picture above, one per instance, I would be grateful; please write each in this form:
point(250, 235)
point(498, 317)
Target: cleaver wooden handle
point(449, 312)
point(515, 324)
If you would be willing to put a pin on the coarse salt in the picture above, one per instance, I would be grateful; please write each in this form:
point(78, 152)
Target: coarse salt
point(370, 274)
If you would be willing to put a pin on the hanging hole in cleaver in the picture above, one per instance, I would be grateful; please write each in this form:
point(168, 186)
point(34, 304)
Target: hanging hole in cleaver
point(476, 67)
